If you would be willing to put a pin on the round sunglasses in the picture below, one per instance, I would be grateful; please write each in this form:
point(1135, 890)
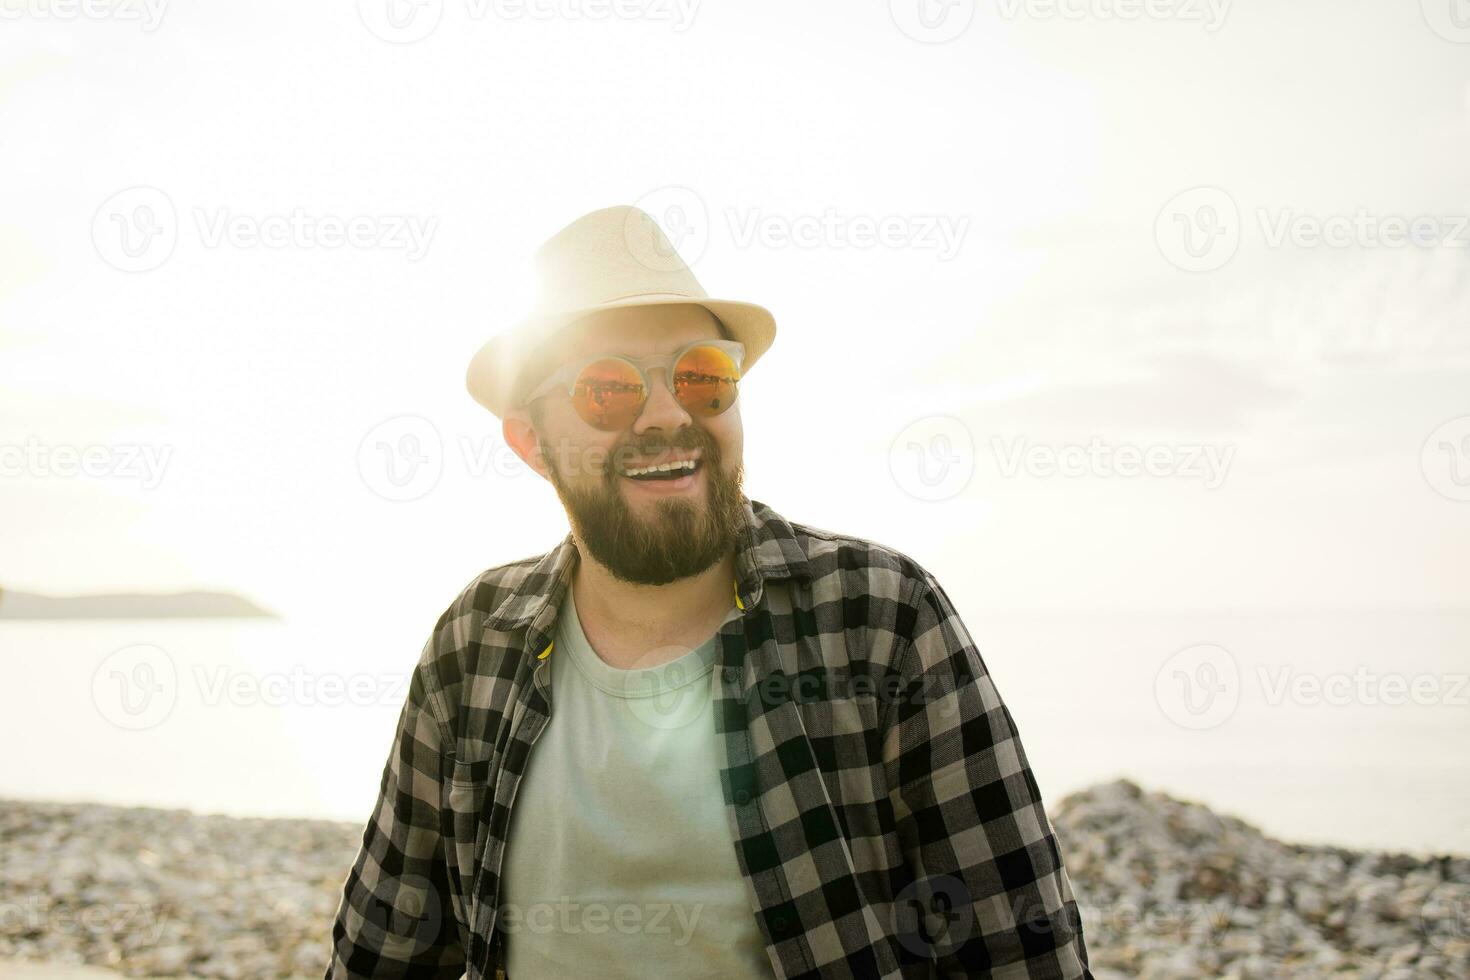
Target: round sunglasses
point(608, 391)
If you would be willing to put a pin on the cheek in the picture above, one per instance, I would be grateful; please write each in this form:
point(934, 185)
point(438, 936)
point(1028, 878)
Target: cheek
point(572, 454)
point(728, 433)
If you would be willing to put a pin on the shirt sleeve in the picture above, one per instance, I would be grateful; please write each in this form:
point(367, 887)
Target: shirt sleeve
point(396, 917)
point(986, 894)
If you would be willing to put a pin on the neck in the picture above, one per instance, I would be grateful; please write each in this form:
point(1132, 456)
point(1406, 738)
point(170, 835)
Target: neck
point(621, 617)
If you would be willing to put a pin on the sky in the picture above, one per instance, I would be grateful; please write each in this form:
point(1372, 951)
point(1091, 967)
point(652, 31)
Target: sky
point(1083, 312)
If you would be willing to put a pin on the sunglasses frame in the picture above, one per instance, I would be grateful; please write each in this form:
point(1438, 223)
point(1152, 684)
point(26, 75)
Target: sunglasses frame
point(565, 377)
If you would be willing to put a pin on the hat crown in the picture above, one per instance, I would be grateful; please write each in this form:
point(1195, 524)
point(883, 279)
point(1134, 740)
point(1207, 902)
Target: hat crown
point(608, 255)
point(615, 258)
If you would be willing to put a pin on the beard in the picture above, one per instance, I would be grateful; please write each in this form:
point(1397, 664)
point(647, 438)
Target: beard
point(682, 536)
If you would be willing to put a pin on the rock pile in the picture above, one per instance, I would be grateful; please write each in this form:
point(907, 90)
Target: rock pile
point(1171, 889)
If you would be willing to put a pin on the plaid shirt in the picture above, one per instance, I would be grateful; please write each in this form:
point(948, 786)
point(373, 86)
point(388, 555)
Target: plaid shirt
point(881, 808)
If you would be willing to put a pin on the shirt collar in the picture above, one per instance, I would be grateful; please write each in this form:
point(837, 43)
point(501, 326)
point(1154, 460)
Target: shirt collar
point(769, 551)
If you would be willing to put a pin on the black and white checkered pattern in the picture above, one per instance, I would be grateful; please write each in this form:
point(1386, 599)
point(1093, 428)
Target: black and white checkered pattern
point(880, 805)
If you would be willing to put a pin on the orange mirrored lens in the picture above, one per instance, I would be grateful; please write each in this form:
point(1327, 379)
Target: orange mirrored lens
point(705, 380)
point(609, 393)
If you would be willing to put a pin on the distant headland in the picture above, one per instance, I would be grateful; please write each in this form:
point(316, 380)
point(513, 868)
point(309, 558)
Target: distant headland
point(130, 605)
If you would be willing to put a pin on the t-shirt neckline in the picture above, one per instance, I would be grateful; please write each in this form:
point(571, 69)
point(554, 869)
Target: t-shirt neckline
point(631, 682)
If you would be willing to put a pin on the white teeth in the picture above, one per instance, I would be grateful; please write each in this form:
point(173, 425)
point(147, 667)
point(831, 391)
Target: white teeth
point(687, 465)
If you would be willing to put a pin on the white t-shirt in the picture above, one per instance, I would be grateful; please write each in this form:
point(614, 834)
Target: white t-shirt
point(619, 859)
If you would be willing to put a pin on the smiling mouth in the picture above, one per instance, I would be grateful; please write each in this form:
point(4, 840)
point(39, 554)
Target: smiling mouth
point(673, 470)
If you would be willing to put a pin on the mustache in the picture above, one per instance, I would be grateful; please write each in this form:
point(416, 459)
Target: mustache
point(654, 444)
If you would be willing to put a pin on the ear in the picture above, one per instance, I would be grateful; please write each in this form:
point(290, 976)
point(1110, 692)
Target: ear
point(521, 436)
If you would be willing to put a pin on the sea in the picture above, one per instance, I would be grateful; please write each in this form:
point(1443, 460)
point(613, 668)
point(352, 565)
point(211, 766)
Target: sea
point(1349, 728)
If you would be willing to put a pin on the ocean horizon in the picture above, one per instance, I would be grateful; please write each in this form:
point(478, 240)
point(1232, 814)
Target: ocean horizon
point(1341, 728)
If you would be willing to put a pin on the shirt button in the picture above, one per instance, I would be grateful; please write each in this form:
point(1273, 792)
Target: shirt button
point(778, 923)
point(732, 675)
point(742, 797)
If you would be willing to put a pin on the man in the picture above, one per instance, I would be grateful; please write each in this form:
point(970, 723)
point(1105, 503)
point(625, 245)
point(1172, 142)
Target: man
point(695, 739)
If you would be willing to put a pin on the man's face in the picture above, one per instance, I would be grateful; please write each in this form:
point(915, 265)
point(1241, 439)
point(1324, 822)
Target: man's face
point(646, 532)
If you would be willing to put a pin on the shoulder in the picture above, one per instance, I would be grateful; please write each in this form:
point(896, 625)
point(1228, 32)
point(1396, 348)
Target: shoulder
point(870, 590)
point(897, 595)
point(484, 594)
point(845, 563)
point(452, 653)
point(833, 549)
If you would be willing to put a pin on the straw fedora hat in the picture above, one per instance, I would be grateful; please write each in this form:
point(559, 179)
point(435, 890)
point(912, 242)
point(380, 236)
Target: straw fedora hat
point(608, 259)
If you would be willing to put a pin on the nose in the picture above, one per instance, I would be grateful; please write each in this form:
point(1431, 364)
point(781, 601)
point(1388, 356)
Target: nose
point(662, 410)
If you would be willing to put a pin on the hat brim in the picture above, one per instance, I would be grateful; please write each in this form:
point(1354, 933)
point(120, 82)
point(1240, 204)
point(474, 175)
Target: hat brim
point(495, 370)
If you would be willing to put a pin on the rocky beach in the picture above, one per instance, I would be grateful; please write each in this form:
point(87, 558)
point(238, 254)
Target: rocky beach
point(1168, 889)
